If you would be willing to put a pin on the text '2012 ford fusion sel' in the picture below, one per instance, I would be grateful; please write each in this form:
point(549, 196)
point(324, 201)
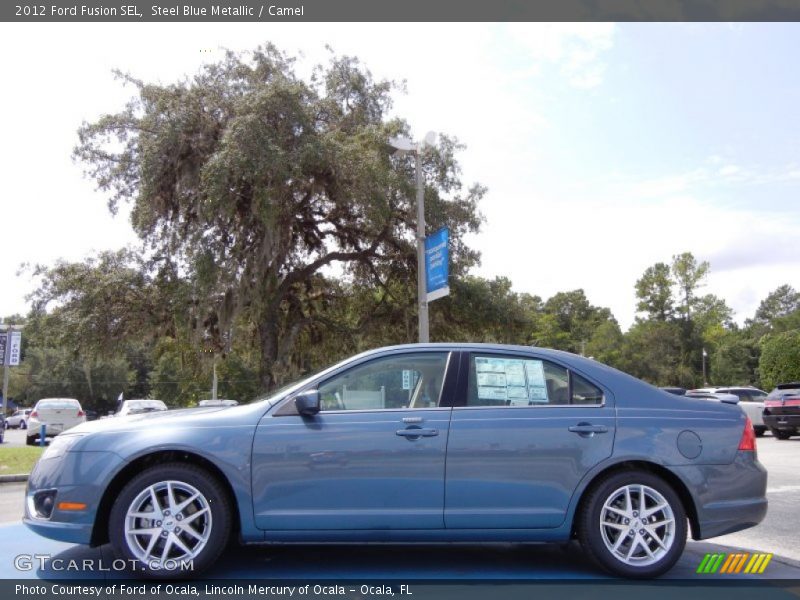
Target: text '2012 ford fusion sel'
point(418, 443)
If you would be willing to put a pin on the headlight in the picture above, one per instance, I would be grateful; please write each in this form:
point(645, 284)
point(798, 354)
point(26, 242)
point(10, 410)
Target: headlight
point(61, 444)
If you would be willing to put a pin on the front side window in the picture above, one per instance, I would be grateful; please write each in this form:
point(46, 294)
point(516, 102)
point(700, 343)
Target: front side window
point(397, 381)
point(517, 381)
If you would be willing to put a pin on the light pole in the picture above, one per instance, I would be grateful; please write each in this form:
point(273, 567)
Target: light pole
point(705, 381)
point(405, 146)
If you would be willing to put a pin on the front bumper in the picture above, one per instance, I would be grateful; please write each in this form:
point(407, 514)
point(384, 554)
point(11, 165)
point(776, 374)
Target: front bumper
point(782, 422)
point(75, 477)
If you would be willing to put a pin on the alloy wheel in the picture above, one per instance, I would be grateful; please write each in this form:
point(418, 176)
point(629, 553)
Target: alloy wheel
point(637, 525)
point(168, 521)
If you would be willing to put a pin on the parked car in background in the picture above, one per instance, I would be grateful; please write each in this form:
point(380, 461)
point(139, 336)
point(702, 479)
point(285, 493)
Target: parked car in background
point(3, 427)
point(19, 419)
point(415, 443)
point(678, 391)
point(782, 410)
point(56, 414)
point(137, 407)
point(751, 401)
point(218, 402)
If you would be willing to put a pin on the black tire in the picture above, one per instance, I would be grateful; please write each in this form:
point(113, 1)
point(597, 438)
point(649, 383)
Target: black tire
point(760, 431)
point(782, 434)
point(592, 536)
point(31, 440)
point(219, 525)
point(23, 424)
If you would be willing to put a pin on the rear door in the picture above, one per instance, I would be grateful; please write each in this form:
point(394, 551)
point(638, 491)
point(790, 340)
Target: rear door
point(523, 434)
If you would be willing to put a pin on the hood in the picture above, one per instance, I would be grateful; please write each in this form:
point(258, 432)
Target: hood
point(178, 418)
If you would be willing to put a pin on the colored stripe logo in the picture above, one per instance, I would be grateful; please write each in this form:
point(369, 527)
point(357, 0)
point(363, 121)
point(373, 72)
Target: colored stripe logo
point(740, 562)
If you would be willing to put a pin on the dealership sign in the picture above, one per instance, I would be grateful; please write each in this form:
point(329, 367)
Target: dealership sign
point(437, 264)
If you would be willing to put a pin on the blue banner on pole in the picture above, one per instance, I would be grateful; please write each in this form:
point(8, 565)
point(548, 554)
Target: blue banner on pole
point(437, 264)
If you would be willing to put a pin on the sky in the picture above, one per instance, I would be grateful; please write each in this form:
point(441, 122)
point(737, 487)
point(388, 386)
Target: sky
point(605, 147)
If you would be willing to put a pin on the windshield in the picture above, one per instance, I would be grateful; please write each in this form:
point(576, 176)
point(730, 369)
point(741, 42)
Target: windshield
point(281, 391)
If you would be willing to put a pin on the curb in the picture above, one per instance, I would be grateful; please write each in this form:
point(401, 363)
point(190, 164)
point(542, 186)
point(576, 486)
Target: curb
point(13, 478)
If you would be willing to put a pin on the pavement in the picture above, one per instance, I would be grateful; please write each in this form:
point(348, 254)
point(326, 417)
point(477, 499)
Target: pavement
point(363, 562)
point(14, 438)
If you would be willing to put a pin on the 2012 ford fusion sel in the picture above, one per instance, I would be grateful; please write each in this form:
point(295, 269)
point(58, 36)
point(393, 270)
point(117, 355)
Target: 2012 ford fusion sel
point(418, 443)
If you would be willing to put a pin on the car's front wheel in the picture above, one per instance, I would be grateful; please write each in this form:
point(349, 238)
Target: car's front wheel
point(23, 424)
point(633, 524)
point(171, 520)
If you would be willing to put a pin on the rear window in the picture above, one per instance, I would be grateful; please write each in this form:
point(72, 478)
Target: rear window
point(140, 404)
point(778, 393)
point(57, 404)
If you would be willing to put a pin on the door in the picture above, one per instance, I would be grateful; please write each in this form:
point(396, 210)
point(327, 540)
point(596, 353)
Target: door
point(372, 458)
point(522, 435)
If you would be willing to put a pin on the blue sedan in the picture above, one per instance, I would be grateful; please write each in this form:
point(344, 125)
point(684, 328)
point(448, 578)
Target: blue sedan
point(418, 443)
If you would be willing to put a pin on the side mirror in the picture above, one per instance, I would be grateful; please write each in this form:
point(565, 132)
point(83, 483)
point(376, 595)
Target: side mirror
point(307, 403)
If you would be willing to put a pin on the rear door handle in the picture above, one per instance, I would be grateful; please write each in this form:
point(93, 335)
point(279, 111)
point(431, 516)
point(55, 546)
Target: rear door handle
point(417, 432)
point(587, 429)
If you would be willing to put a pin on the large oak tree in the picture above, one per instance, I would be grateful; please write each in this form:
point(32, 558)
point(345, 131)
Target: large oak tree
point(253, 183)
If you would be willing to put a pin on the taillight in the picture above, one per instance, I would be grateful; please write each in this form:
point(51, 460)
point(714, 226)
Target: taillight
point(748, 441)
point(80, 413)
point(34, 414)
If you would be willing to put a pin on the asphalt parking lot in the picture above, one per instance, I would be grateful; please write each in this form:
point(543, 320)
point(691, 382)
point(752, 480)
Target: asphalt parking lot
point(15, 438)
point(775, 535)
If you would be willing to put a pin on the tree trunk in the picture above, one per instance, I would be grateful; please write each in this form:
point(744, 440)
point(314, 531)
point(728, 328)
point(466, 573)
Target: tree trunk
point(268, 335)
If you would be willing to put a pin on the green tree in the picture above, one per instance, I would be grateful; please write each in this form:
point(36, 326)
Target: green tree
point(689, 276)
point(778, 304)
point(734, 360)
point(780, 358)
point(254, 182)
point(654, 292)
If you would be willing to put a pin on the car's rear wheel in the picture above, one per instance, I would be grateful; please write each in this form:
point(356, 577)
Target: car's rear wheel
point(633, 524)
point(782, 434)
point(760, 431)
point(23, 425)
point(31, 440)
point(172, 520)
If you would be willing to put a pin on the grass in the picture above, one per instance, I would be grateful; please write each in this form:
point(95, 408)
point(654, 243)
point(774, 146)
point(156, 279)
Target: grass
point(15, 461)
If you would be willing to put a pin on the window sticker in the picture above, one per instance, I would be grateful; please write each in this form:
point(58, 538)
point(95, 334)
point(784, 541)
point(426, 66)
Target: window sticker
point(492, 393)
point(535, 371)
point(490, 365)
point(537, 395)
point(515, 373)
point(492, 379)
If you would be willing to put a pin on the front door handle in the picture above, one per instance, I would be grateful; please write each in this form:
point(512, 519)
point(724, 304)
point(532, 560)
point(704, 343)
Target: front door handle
point(587, 429)
point(416, 432)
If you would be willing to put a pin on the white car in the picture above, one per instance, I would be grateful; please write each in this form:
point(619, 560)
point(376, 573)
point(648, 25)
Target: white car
point(751, 400)
point(138, 407)
point(56, 414)
point(19, 419)
point(218, 402)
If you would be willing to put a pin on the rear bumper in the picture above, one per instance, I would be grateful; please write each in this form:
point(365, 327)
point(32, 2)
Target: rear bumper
point(782, 422)
point(727, 498)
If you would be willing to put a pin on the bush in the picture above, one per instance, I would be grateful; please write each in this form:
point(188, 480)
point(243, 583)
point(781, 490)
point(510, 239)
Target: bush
point(780, 359)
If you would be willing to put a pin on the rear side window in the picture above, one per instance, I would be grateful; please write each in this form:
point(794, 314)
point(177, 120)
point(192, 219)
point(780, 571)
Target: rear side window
point(518, 381)
point(57, 404)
